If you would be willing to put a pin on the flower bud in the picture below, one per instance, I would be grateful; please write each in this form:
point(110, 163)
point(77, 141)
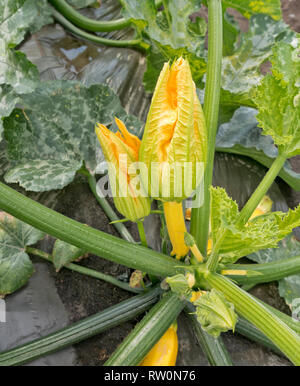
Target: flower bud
point(215, 313)
point(179, 284)
point(174, 141)
point(121, 152)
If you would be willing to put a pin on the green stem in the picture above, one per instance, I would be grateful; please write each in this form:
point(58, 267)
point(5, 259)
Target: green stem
point(200, 216)
point(121, 228)
point(256, 313)
point(84, 329)
point(85, 237)
point(268, 271)
point(142, 233)
point(249, 208)
point(135, 43)
point(85, 271)
point(146, 333)
point(262, 189)
point(214, 349)
point(86, 23)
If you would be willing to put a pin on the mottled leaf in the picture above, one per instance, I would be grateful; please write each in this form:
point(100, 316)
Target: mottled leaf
point(278, 98)
point(289, 287)
point(64, 253)
point(241, 71)
point(230, 33)
point(50, 137)
point(251, 7)
point(20, 16)
point(15, 265)
point(241, 135)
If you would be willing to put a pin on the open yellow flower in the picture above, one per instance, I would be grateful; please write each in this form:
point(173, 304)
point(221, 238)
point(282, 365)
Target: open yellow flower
point(174, 146)
point(121, 151)
point(174, 136)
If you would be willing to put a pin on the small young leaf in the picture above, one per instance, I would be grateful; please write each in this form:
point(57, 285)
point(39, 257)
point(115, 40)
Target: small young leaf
point(15, 265)
point(262, 232)
point(64, 253)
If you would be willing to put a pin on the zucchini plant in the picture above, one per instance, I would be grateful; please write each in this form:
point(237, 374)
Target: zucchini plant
point(52, 135)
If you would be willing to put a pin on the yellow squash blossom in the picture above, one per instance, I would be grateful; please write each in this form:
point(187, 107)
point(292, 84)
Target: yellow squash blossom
point(121, 151)
point(164, 352)
point(174, 135)
point(174, 146)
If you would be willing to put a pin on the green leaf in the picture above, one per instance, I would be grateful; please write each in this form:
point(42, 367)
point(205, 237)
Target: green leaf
point(17, 71)
point(215, 313)
point(251, 7)
point(15, 265)
point(289, 287)
point(278, 98)
point(64, 253)
point(20, 16)
point(241, 71)
point(241, 135)
point(171, 34)
point(262, 232)
point(48, 140)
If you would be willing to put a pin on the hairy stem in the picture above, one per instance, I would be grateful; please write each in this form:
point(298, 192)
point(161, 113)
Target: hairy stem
point(85, 237)
point(86, 23)
point(262, 189)
point(134, 43)
point(121, 228)
point(200, 216)
point(85, 271)
point(142, 233)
